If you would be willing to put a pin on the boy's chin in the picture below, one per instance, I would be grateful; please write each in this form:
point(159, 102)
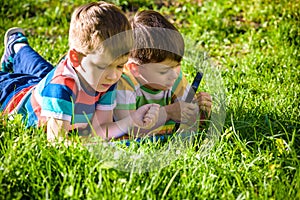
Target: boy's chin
point(159, 87)
point(101, 90)
point(103, 87)
point(166, 87)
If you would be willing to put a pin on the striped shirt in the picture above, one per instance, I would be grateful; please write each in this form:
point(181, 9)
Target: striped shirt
point(62, 95)
point(131, 95)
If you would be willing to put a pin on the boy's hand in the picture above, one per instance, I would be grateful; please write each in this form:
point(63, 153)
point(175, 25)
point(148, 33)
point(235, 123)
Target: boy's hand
point(146, 116)
point(205, 102)
point(182, 112)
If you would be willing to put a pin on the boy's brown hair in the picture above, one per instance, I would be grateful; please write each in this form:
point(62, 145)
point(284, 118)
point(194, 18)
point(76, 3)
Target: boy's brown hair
point(155, 39)
point(96, 22)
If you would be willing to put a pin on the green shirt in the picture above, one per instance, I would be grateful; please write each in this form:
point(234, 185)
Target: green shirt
point(130, 95)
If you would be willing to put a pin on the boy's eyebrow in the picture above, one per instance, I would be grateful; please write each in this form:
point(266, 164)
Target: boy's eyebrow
point(170, 66)
point(122, 60)
point(103, 64)
point(98, 60)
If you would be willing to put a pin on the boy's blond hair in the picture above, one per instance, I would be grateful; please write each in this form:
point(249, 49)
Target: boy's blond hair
point(155, 39)
point(96, 22)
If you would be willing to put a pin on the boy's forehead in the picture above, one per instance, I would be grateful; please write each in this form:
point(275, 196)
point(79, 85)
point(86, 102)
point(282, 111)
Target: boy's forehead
point(105, 58)
point(163, 65)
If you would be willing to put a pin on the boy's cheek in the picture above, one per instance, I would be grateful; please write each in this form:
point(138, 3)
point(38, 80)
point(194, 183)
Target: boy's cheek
point(120, 73)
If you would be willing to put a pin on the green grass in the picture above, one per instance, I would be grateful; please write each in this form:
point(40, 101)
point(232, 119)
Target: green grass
point(255, 47)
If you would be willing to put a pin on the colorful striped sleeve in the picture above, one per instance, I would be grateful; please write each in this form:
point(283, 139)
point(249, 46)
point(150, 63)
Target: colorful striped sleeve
point(180, 88)
point(107, 101)
point(57, 98)
point(125, 94)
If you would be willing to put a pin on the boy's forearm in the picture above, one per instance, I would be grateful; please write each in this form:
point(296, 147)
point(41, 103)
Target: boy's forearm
point(57, 130)
point(162, 119)
point(168, 109)
point(114, 129)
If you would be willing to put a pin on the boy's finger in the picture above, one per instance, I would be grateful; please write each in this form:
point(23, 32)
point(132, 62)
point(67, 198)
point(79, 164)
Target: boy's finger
point(150, 116)
point(147, 120)
point(153, 113)
point(155, 105)
point(205, 108)
point(204, 99)
point(205, 103)
point(203, 96)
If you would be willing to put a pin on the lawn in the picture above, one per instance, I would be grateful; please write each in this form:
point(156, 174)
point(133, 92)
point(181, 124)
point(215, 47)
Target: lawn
point(253, 73)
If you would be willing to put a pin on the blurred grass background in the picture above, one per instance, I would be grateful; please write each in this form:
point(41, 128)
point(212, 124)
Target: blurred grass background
point(255, 46)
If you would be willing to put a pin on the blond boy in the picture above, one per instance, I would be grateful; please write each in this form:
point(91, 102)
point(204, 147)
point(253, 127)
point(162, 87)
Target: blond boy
point(80, 90)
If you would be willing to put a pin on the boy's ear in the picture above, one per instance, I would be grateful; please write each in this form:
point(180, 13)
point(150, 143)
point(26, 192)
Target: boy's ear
point(75, 57)
point(134, 69)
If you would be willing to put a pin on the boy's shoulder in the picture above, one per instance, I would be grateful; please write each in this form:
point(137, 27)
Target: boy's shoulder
point(64, 70)
point(127, 82)
point(62, 76)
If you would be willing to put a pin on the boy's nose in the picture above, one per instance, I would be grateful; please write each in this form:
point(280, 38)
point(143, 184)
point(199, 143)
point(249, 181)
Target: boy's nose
point(173, 74)
point(112, 74)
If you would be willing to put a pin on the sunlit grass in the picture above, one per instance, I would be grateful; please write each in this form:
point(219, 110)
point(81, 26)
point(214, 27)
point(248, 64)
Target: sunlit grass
point(255, 47)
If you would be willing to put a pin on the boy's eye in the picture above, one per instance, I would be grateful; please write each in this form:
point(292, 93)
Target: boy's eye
point(120, 66)
point(163, 72)
point(101, 67)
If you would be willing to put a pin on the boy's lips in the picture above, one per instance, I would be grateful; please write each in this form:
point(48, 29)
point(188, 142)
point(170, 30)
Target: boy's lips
point(170, 84)
point(106, 85)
